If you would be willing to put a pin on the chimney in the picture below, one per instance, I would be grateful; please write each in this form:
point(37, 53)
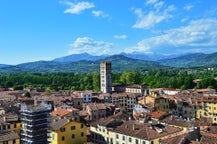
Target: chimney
point(134, 126)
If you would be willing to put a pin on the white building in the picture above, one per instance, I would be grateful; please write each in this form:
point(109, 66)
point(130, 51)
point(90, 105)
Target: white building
point(87, 97)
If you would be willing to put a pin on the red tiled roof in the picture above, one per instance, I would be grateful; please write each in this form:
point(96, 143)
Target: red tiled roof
point(61, 112)
point(174, 140)
point(144, 130)
point(157, 114)
point(208, 138)
point(205, 90)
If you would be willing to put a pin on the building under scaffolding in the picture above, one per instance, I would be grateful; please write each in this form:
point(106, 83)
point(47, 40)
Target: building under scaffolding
point(35, 123)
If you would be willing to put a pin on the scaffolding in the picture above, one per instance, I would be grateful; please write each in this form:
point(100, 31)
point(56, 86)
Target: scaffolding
point(35, 123)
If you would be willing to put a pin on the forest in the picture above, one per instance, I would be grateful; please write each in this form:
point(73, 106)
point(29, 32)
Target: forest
point(170, 78)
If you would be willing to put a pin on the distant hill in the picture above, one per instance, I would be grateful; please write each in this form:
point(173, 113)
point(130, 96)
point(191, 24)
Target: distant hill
point(191, 60)
point(119, 63)
point(149, 57)
point(134, 55)
point(123, 63)
point(79, 57)
point(4, 65)
point(80, 64)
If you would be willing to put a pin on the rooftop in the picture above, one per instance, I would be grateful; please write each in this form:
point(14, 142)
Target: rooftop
point(145, 130)
point(57, 123)
point(11, 135)
point(61, 112)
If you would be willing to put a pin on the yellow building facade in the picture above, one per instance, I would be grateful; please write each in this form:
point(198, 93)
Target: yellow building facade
point(10, 128)
point(64, 131)
point(9, 137)
point(162, 104)
point(208, 108)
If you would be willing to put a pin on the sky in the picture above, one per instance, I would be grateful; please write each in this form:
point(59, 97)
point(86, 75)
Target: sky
point(32, 30)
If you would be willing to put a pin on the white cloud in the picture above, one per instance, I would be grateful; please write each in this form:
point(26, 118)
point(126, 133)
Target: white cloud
point(198, 35)
point(158, 5)
point(149, 2)
point(120, 36)
point(184, 19)
point(188, 7)
point(152, 18)
point(99, 14)
point(77, 8)
point(88, 45)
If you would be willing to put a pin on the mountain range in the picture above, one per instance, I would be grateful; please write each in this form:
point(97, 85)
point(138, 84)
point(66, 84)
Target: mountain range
point(119, 63)
point(123, 62)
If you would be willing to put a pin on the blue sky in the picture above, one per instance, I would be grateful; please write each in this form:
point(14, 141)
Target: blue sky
point(32, 30)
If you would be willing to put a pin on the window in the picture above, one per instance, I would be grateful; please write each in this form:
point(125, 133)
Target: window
point(137, 142)
point(152, 142)
point(9, 126)
point(123, 138)
point(14, 141)
point(111, 140)
point(15, 125)
point(116, 136)
point(130, 139)
point(82, 125)
point(73, 136)
point(53, 137)
point(92, 136)
point(63, 138)
point(143, 142)
point(5, 142)
point(72, 127)
point(62, 129)
point(82, 134)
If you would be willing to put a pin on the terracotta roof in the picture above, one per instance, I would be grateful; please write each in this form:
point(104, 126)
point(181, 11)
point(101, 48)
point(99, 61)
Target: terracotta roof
point(57, 123)
point(126, 94)
point(209, 98)
point(172, 120)
point(82, 113)
point(97, 106)
point(145, 130)
point(157, 114)
point(108, 120)
point(205, 90)
point(136, 86)
point(169, 89)
point(61, 112)
point(11, 135)
point(208, 138)
point(178, 139)
point(202, 122)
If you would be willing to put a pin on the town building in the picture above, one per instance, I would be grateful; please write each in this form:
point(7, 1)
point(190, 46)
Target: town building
point(35, 123)
point(166, 91)
point(106, 77)
point(140, 89)
point(67, 131)
point(126, 101)
point(208, 108)
point(9, 129)
point(9, 137)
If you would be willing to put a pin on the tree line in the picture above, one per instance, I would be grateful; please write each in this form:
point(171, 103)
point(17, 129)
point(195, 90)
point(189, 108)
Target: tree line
point(170, 78)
